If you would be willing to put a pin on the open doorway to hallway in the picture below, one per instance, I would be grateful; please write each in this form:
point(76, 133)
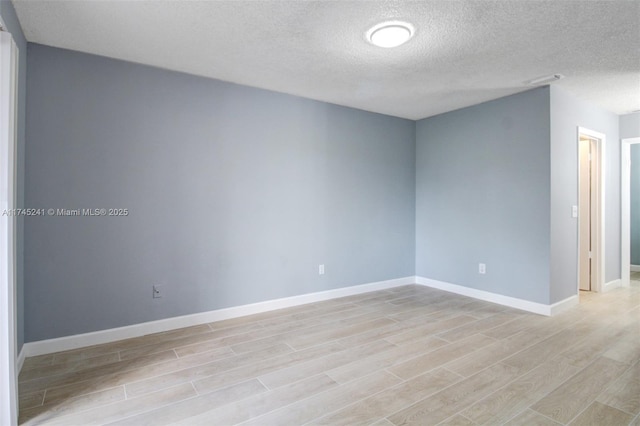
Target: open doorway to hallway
point(630, 211)
point(590, 210)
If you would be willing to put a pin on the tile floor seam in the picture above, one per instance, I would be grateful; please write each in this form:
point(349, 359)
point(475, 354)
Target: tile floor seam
point(530, 346)
point(465, 417)
point(299, 330)
point(521, 375)
point(457, 414)
point(422, 399)
point(517, 414)
point(610, 384)
point(242, 367)
point(574, 417)
point(580, 370)
point(144, 411)
point(587, 404)
point(194, 388)
point(320, 358)
point(85, 409)
point(297, 400)
point(390, 372)
point(615, 408)
point(264, 384)
point(177, 371)
point(354, 402)
point(338, 385)
point(544, 415)
point(190, 344)
point(93, 378)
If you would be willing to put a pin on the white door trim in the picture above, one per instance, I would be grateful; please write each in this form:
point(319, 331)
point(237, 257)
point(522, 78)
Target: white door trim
point(599, 237)
point(8, 344)
point(625, 209)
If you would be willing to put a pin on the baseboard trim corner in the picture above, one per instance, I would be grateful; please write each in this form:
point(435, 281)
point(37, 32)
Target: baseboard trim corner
point(563, 305)
point(136, 330)
point(512, 302)
point(635, 268)
point(612, 285)
point(20, 361)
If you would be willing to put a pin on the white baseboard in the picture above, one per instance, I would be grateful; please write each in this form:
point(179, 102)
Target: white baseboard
point(611, 285)
point(20, 361)
point(525, 305)
point(105, 336)
point(635, 268)
point(111, 335)
point(563, 305)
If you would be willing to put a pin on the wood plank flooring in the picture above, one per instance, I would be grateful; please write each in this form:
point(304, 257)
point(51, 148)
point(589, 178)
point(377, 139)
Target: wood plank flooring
point(405, 356)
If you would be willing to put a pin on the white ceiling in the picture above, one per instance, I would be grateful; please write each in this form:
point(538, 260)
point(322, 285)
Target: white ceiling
point(463, 52)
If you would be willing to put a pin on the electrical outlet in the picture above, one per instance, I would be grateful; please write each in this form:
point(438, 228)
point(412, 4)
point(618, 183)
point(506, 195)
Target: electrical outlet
point(320, 269)
point(157, 291)
point(482, 268)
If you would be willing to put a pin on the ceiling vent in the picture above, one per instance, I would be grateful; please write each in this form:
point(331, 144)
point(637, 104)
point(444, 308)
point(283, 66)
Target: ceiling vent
point(545, 80)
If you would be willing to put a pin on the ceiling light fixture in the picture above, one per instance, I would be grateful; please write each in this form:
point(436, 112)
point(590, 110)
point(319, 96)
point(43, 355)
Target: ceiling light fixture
point(546, 80)
point(390, 34)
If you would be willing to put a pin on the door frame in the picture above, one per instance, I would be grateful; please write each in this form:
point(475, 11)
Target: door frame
point(597, 237)
point(8, 310)
point(586, 226)
point(625, 209)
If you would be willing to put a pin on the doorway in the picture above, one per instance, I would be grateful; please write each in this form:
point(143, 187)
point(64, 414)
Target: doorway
point(625, 195)
point(590, 210)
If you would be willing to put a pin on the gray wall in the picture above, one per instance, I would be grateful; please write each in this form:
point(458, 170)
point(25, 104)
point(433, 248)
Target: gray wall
point(567, 113)
point(10, 19)
point(630, 125)
point(635, 204)
point(482, 195)
point(235, 194)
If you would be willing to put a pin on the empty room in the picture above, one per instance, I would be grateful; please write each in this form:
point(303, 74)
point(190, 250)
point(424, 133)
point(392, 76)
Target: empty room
point(319, 212)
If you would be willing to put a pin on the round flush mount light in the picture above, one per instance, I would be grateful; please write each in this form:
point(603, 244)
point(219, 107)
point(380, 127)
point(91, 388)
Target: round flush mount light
point(390, 34)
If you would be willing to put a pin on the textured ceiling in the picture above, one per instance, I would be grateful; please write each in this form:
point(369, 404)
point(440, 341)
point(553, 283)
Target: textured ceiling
point(463, 52)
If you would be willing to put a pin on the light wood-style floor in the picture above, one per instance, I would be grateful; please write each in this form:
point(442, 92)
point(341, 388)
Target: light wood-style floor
point(409, 355)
